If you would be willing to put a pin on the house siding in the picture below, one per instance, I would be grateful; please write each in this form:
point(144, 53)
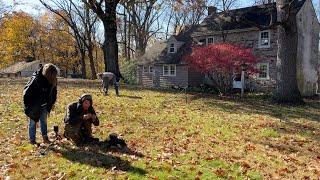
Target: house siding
point(181, 78)
point(184, 77)
point(308, 50)
point(145, 79)
point(195, 78)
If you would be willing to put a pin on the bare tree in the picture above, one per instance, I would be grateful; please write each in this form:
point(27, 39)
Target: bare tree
point(65, 10)
point(4, 9)
point(263, 1)
point(223, 7)
point(126, 32)
point(89, 25)
point(106, 11)
point(144, 17)
point(187, 13)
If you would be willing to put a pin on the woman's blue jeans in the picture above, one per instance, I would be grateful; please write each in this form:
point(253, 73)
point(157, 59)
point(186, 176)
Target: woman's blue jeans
point(43, 124)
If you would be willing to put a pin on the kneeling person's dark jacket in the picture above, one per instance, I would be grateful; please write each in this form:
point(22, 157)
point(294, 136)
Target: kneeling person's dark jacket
point(76, 128)
point(75, 113)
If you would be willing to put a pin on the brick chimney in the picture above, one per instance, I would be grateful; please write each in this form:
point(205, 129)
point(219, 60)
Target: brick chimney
point(211, 10)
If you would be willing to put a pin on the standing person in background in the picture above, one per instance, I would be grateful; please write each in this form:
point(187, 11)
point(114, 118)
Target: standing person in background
point(39, 96)
point(110, 78)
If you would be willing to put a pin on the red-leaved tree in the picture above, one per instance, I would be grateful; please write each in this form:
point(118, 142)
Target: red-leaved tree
point(221, 62)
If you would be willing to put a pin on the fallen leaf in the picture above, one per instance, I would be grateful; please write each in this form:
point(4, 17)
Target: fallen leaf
point(209, 158)
point(220, 172)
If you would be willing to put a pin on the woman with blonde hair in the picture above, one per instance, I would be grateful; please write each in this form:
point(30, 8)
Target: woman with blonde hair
point(39, 96)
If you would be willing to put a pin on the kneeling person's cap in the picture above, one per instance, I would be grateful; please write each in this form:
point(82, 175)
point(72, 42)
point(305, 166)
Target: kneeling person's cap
point(86, 97)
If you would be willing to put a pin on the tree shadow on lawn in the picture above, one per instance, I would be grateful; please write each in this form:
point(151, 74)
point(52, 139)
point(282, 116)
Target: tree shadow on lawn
point(98, 156)
point(309, 131)
point(262, 106)
point(288, 115)
point(130, 97)
point(308, 145)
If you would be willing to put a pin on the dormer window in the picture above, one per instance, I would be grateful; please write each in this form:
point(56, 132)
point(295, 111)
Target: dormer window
point(171, 48)
point(264, 39)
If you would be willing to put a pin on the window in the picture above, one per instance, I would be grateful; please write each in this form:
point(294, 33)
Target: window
point(165, 70)
point(145, 69)
point(169, 70)
point(263, 69)
point(150, 69)
point(210, 40)
point(202, 41)
point(171, 49)
point(264, 39)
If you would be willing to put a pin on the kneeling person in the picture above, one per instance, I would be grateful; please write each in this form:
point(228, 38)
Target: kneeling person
point(78, 120)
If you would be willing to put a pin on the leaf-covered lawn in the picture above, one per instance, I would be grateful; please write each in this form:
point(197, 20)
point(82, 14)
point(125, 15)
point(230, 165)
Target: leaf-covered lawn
point(208, 137)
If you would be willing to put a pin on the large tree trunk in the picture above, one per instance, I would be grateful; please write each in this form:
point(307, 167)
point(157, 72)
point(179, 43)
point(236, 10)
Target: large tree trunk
point(106, 11)
point(110, 46)
point(286, 86)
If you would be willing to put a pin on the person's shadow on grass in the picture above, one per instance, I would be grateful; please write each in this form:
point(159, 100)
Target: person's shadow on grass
point(95, 158)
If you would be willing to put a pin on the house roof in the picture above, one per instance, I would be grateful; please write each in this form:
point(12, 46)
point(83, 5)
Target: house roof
point(153, 53)
point(261, 16)
point(19, 66)
point(185, 37)
point(158, 53)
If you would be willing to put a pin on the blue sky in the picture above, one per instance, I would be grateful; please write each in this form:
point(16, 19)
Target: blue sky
point(33, 6)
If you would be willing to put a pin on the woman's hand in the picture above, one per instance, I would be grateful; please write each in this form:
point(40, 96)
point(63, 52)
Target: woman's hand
point(87, 116)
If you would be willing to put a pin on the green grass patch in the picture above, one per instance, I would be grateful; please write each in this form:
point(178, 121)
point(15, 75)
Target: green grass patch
point(269, 133)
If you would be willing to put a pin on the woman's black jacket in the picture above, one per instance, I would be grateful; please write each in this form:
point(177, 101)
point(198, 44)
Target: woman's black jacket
point(38, 92)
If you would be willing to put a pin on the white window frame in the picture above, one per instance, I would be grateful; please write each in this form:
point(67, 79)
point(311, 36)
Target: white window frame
point(208, 40)
point(150, 67)
point(170, 68)
point(268, 71)
point(172, 48)
point(260, 39)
